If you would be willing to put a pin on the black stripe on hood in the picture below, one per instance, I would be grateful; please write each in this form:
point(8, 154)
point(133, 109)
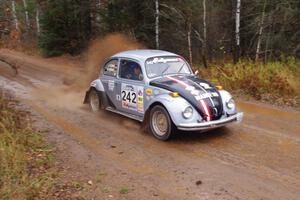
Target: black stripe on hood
point(201, 88)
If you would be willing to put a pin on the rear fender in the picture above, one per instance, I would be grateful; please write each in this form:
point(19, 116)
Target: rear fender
point(98, 86)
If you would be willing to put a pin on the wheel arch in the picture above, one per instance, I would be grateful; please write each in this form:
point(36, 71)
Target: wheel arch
point(147, 113)
point(103, 98)
point(174, 107)
point(87, 93)
point(97, 85)
point(147, 125)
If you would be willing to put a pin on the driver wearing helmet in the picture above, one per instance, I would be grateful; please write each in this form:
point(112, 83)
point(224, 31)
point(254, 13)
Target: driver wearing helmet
point(135, 72)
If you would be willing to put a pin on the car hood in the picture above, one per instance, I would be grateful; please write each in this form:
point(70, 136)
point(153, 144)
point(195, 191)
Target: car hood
point(205, 98)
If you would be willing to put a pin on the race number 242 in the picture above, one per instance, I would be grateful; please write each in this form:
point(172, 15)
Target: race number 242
point(129, 96)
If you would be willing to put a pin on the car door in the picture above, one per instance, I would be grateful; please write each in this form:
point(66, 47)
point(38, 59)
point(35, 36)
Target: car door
point(131, 87)
point(110, 81)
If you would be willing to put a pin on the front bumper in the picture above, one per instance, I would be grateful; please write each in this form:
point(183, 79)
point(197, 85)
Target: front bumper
point(212, 124)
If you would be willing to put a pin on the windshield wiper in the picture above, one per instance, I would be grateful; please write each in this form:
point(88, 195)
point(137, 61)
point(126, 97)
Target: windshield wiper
point(165, 70)
point(181, 68)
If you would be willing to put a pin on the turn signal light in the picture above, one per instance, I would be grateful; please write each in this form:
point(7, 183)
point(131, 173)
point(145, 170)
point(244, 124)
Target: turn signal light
point(174, 94)
point(219, 87)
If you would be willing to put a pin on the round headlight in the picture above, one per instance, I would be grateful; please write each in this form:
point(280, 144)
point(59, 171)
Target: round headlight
point(230, 104)
point(188, 112)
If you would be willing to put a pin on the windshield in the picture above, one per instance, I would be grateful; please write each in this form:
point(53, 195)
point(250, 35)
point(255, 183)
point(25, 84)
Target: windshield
point(159, 66)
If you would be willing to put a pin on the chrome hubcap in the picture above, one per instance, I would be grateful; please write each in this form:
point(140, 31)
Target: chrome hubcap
point(160, 123)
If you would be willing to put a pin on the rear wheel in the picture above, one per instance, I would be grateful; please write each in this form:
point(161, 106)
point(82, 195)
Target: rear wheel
point(160, 123)
point(94, 100)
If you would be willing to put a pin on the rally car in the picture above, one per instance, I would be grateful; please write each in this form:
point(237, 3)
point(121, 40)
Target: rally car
point(160, 89)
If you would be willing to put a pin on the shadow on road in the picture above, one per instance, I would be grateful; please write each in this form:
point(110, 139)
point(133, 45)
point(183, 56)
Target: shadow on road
point(200, 137)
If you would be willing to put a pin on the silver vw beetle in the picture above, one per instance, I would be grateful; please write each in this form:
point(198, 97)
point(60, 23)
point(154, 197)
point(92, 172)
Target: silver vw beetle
point(159, 88)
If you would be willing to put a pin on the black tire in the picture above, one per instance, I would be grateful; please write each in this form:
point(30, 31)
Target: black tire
point(94, 100)
point(164, 128)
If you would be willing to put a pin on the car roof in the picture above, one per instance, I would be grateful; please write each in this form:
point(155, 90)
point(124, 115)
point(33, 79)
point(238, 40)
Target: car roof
point(144, 54)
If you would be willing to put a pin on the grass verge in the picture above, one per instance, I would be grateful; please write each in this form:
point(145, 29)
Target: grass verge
point(276, 82)
point(26, 162)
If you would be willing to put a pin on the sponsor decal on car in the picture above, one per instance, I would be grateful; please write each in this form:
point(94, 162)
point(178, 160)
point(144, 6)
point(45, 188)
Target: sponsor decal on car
point(205, 86)
point(111, 85)
point(205, 95)
point(163, 60)
point(132, 97)
point(140, 104)
point(149, 91)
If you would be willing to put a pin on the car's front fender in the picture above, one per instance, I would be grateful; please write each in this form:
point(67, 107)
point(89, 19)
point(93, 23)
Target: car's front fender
point(175, 106)
point(226, 96)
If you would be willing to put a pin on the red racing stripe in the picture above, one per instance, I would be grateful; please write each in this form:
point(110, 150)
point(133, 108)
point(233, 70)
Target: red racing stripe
point(206, 109)
point(178, 81)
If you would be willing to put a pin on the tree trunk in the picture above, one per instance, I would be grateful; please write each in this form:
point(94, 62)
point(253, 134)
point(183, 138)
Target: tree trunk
point(204, 44)
point(237, 32)
point(157, 24)
point(270, 20)
point(26, 15)
point(14, 13)
point(261, 26)
point(37, 20)
point(98, 6)
point(189, 30)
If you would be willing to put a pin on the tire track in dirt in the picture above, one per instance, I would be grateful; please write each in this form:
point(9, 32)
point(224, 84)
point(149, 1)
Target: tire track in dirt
point(95, 145)
point(223, 157)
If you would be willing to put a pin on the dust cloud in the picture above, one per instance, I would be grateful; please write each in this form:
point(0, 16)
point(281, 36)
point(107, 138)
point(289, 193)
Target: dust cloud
point(98, 52)
point(70, 91)
point(60, 83)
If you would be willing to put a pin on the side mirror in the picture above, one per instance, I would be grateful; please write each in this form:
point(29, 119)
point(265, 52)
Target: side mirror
point(196, 72)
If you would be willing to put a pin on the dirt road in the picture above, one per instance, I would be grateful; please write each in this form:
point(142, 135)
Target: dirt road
point(258, 159)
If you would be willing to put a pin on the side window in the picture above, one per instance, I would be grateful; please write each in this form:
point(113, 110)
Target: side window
point(111, 68)
point(130, 70)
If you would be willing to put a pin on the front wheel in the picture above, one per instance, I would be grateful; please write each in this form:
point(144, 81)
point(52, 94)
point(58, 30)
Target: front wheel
point(94, 100)
point(160, 123)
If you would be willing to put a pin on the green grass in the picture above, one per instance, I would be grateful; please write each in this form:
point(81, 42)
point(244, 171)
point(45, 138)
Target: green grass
point(275, 80)
point(25, 160)
point(124, 190)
